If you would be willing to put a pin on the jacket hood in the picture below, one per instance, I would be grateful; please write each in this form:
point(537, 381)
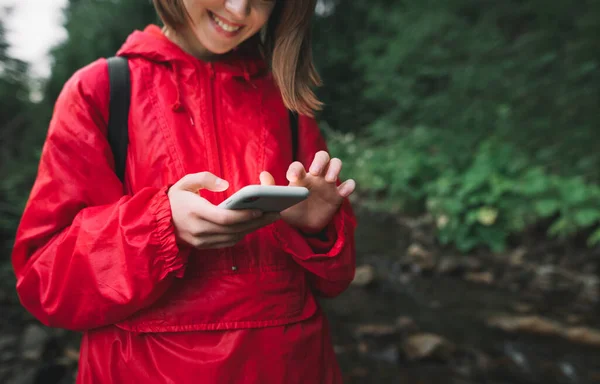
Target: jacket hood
point(151, 44)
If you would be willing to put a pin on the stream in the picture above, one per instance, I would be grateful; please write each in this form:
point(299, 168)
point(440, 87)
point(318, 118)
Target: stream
point(449, 319)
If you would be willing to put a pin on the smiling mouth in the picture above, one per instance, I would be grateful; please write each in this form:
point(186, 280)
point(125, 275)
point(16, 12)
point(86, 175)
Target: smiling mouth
point(227, 27)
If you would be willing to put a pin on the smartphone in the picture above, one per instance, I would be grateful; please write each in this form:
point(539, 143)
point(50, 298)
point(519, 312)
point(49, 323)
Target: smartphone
point(266, 198)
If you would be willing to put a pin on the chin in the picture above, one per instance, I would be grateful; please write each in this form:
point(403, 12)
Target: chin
point(212, 46)
point(217, 50)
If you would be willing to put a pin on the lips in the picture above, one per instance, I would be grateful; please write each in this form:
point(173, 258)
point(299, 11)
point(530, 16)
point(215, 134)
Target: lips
point(224, 24)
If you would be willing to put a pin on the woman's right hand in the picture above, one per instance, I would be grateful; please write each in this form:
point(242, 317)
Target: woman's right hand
point(203, 225)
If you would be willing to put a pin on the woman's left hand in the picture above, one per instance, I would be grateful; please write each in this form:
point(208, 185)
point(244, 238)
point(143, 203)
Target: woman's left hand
point(315, 213)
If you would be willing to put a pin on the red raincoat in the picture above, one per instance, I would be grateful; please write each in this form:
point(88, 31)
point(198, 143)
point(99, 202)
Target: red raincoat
point(88, 258)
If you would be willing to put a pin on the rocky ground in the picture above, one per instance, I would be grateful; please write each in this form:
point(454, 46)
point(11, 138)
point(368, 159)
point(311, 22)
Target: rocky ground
point(416, 313)
point(419, 313)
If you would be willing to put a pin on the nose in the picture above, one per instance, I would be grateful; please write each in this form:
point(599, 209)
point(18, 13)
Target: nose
point(238, 8)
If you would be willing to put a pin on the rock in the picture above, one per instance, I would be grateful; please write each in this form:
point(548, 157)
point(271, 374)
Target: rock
point(365, 275)
point(549, 278)
point(389, 354)
point(573, 319)
point(458, 265)
point(583, 335)
point(358, 372)
point(517, 257)
point(590, 290)
point(375, 330)
point(406, 325)
point(523, 308)
point(544, 278)
point(8, 348)
point(8, 341)
point(529, 324)
point(568, 371)
point(72, 354)
point(427, 346)
point(24, 377)
point(419, 256)
point(472, 263)
point(34, 342)
point(470, 362)
point(363, 348)
point(448, 266)
point(480, 277)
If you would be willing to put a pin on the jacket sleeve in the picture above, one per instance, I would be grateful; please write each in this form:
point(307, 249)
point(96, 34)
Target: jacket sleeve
point(329, 258)
point(86, 256)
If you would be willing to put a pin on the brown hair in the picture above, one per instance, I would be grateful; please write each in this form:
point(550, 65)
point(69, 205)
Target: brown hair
point(286, 45)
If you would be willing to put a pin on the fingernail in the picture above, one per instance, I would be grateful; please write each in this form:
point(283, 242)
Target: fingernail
point(220, 182)
point(348, 188)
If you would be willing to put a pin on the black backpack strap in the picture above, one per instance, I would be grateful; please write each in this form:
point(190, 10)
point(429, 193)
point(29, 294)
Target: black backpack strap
point(294, 128)
point(118, 112)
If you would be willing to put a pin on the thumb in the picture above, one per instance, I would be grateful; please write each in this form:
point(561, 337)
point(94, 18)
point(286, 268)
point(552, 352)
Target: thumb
point(204, 180)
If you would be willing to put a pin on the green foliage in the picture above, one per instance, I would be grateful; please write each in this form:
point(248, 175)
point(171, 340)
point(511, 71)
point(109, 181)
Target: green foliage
point(479, 69)
point(16, 162)
point(485, 114)
point(95, 28)
point(479, 203)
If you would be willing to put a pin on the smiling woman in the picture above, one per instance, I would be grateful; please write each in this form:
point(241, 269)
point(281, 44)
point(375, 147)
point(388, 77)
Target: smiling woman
point(165, 284)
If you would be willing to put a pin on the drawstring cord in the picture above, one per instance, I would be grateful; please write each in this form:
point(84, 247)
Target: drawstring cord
point(178, 105)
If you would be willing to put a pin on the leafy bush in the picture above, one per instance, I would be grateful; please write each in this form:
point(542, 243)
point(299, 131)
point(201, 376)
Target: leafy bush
point(480, 202)
point(483, 114)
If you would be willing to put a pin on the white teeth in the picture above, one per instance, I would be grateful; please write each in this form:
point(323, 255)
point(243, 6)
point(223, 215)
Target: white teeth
point(224, 25)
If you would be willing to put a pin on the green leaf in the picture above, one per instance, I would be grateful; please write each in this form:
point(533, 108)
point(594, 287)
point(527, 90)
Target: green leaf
point(586, 217)
point(487, 216)
point(561, 228)
point(546, 208)
point(594, 238)
point(535, 182)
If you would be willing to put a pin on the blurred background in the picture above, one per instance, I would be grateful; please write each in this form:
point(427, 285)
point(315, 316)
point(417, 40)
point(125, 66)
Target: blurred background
point(471, 127)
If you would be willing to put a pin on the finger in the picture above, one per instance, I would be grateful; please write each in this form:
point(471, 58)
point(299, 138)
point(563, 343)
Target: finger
point(296, 172)
point(335, 167)
point(222, 216)
point(266, 178)
point(204, 180)
point(251, 226)
point(347, 188)
point(319, 163)
point(217, 241)
point(208, 228)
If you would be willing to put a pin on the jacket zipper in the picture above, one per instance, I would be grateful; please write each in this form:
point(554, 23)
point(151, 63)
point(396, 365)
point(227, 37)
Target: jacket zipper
point(218, 149)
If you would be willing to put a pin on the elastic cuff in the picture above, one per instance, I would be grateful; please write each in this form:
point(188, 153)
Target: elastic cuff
point(305, 248)
point(323, 241)
point(168, 257)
